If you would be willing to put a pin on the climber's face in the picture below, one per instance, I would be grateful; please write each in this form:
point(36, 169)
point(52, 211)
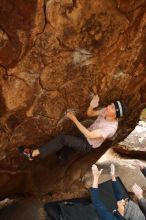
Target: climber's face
point(110, 111)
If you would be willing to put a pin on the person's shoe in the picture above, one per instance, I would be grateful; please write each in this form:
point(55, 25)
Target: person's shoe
point(26, 152)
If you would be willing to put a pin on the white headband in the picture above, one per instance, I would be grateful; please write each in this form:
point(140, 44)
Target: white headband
point(120, 108)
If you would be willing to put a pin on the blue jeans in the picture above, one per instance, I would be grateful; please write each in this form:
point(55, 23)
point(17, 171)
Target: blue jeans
point(100, 207)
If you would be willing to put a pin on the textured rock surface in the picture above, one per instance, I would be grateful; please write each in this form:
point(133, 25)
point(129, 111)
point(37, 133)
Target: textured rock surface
point(53, 56)
point(22, 209)
point(135, 143)
point(21, 22)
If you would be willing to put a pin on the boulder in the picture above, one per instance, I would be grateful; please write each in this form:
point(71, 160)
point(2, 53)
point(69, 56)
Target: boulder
point(54, 55)
point(135, 143)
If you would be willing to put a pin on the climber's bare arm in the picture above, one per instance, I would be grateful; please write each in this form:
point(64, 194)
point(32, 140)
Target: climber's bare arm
point(91, 111)
point(83, 129)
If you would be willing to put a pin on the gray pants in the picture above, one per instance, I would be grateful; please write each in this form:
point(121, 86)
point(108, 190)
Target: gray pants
point(63, 140)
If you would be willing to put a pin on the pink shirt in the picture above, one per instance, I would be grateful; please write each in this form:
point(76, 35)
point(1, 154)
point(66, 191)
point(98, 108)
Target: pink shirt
point(107, 129)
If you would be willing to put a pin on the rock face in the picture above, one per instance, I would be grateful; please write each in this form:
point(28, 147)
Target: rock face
point(21, 22)
point(22, 209)
point(54, 55)
point(135, 143)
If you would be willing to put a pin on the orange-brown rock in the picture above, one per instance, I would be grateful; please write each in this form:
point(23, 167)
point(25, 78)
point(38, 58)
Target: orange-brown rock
point(54, 55)
point(28, 209)
point(20, 23)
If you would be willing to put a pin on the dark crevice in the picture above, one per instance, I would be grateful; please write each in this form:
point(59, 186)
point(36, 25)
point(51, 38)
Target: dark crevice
point(48, 22)
point(44, 16)
point(129, 154)
point(74, 3)
point(45, 21)
point(122, 12)
point(38, 34)
point(62, 45)
point(18, 79)
point(132, 10)
point(2, 66)
point(18, 127)
point(138, 7)
point(45, 116)
point(43, 88)
point(5, 32)
point(41, 85)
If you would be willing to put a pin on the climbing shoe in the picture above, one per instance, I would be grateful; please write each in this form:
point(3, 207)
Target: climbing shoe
point(26, 152)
